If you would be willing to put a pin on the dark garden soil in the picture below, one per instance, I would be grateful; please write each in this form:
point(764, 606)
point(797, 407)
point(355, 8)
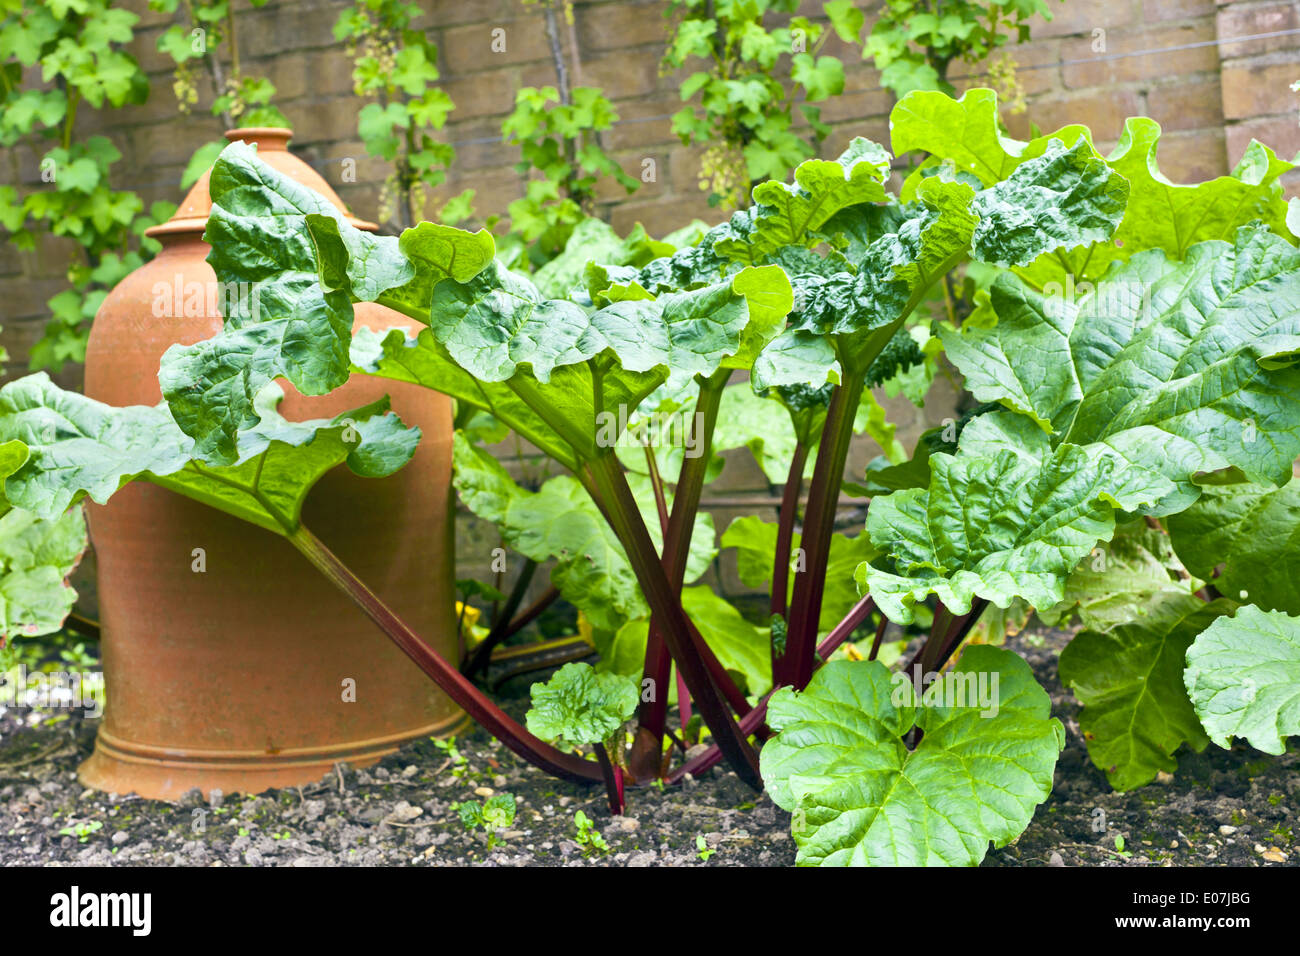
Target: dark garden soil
point(1235, 808)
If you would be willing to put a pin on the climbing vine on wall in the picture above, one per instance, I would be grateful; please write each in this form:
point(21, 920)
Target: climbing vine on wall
point(60, 57)
point(206, 40)
point(396, 67)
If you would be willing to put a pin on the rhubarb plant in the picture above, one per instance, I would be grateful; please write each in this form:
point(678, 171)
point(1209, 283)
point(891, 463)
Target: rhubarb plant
point(1127, 462)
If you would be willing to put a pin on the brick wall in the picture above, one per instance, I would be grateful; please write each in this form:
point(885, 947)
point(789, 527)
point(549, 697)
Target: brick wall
point(1183, 62)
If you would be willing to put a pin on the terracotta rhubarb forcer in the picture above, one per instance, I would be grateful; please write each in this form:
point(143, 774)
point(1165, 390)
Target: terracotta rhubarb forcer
point(225, 653)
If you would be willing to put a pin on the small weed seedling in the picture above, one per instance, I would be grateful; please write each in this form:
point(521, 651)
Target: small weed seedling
point(497, 813)
point(588, 837)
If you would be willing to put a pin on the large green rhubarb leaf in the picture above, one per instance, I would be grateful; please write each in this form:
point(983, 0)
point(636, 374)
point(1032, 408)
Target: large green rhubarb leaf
point(1057, 200)
point(1122, 580)
point(1130, 681)
point(585, 373)
point(1178, 367)
point(966, 132)
point(1243, 675)
point(860, 797)
point(36, 557)
point(290, 265)
point(790, 214)
point(1160, 214)
point(82, 448)
point(1004, 518)
point(1253, 533)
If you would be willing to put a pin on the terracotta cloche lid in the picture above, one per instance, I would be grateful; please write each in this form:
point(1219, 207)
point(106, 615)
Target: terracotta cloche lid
point(272, 144)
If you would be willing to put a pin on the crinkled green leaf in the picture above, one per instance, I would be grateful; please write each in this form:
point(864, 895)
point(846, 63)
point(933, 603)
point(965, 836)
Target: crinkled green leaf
point(579, 706)
point(36, 557)
point(290, 265)
point(1130, 681)
point(1180, 367)
point(1243, 676)
point(396, 355)
point(1253, 532)
point(1122, 580)
point(82, 448)
point(860, 798)
point(997, 526)
point(1173, 217)
point(580, 370)
point(967, 133)
point(1062, 199)
point(789, 214)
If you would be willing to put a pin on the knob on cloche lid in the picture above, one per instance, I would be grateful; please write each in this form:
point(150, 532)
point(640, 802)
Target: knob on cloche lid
point(272, 144)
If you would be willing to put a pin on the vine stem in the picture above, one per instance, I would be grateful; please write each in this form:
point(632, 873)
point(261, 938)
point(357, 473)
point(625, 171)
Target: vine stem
point(609, 485)
point(473, 701)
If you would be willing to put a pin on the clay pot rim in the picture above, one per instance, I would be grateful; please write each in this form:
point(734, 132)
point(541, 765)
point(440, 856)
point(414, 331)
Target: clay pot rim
point(273, 138)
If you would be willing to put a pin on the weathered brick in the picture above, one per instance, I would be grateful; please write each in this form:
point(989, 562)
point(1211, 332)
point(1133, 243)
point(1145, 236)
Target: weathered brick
point(144, 47)
point(1258, 89)
point(1073, 18)
point(1193, 157)
point(1153, 10)
point(662, 216)
point(1103, 111)
point(635, 165)
point(684, 168)
point(296, 75)
point(875, 129)
point(856, 106)
point(442, 13)
point(470, 49)
point(174, 141)
point(25, 298)
point(274, 28)
point(494, 190)
point(1244, 19)
point(1038, 68)
point(479, 144)
point(324, 120)
point(625, 73)
point(484, 94)
point(1136, 55)
point(1182, 105)
point(646, 122)
point(614, 26)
